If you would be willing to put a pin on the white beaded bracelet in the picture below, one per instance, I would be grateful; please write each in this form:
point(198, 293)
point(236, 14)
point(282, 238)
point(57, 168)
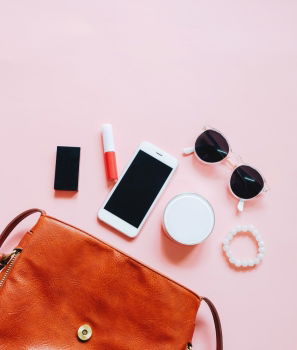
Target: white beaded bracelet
point(249, 262)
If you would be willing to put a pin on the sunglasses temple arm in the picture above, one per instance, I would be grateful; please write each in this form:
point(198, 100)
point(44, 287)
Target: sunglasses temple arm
point(188, 150)
point(229, 162)
point(240, 205)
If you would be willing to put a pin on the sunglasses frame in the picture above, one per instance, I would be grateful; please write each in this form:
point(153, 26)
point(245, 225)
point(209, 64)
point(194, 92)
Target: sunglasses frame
point(234, 166)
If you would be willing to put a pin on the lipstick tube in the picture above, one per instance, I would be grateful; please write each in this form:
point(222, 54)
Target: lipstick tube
point(109, 153)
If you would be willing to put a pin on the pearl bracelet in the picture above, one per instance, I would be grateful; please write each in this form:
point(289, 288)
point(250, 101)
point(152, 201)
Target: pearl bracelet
point(249, 262)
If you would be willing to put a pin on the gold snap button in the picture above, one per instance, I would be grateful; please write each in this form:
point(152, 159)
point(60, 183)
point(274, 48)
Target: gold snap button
point(84, 332)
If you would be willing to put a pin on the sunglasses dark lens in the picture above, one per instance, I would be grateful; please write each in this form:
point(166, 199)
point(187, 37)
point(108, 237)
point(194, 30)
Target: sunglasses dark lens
point(246, 182)
point(211, 146)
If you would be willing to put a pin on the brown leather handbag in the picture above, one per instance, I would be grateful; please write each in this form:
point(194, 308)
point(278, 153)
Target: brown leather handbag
point(63, 289)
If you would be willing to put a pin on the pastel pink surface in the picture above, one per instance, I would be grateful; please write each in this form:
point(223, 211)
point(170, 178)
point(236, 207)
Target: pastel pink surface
point(160, 71)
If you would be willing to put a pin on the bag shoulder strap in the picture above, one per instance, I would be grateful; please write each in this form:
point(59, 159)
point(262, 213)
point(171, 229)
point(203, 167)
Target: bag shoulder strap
point(217, 322)
point(16, 221)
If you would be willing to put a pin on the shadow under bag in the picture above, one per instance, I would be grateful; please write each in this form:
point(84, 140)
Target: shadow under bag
point(61, 288)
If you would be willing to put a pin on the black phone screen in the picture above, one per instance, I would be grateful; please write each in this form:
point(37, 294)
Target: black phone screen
point(138, 188)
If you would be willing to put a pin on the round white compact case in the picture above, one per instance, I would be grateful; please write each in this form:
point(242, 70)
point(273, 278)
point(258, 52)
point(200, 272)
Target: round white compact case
point(188, 218)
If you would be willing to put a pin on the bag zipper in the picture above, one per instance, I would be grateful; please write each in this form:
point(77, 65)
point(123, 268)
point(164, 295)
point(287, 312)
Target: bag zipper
point(8, 263)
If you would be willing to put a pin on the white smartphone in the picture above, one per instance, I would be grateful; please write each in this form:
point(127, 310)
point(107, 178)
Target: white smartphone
point(134, 195)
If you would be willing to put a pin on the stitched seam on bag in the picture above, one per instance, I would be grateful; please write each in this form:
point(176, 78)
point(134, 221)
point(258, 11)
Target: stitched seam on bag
point(126, 255)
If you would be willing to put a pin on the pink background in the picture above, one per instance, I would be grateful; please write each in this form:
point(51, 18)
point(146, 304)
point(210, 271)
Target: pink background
point(160, 71)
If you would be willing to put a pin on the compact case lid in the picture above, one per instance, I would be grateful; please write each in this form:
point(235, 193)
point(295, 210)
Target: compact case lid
point(188, 218)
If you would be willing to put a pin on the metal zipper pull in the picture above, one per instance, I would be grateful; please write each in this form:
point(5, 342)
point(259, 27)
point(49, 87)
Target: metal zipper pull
point(189, 346)
point(8, 261)
point(4, 259)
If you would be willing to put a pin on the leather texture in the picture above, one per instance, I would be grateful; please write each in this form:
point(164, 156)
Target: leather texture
point(65, 278)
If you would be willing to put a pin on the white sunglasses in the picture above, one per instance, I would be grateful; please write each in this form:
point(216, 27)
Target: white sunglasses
point(245, 182)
